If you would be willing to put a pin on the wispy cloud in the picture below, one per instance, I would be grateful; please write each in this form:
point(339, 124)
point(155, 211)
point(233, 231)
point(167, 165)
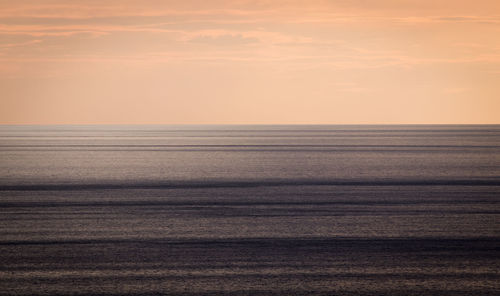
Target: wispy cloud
point(244, 31)
point(20, 44)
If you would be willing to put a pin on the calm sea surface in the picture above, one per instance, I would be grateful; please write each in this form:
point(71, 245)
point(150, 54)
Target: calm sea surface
point(250, 210)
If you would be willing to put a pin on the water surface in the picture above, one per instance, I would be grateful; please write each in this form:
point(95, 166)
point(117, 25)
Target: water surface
point(250, 210)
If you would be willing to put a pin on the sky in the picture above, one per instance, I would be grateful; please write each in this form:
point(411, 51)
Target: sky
point(250, 62)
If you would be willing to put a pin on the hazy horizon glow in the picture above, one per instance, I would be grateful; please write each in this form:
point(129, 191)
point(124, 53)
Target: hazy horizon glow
point(250, 62)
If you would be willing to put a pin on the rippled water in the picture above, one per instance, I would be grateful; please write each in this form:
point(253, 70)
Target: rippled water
point(250, 210)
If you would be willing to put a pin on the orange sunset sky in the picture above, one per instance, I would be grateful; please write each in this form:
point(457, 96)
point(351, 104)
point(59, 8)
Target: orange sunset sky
point(249, 62)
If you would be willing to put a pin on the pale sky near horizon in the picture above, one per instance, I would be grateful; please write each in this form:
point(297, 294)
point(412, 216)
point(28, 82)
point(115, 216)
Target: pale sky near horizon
point(249, 62)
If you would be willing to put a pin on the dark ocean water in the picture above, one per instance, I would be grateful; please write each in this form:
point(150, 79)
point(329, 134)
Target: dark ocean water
point(250, 210)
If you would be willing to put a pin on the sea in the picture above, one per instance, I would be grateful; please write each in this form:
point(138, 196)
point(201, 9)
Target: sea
point(250, 210)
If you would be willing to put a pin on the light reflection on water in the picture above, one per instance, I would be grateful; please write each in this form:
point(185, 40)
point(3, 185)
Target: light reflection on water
point(250, 210)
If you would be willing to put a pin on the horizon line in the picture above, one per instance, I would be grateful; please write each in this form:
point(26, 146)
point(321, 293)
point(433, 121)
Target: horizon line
point(245, 124)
